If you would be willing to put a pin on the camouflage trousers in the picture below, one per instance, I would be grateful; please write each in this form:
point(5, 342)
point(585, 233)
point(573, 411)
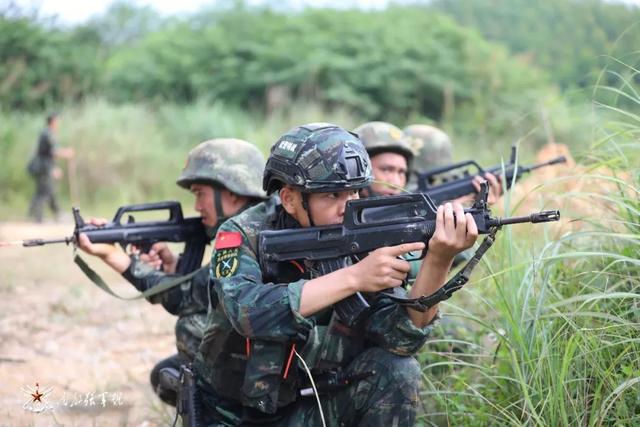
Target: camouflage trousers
point(387, 398)
point(45, 194)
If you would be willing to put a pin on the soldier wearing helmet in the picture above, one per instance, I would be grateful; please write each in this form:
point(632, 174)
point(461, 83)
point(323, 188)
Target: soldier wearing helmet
point(316, 169)
point(434, 149)
point(391, 157)
point(224, 175)
point(432, 146)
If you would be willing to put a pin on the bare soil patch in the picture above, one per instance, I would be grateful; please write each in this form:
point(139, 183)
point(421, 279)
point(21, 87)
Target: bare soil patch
point(59, 330)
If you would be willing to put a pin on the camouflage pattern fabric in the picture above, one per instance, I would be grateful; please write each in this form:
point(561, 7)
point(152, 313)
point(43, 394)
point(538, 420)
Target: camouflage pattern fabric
point(222, 358)
point(381, 137)
point(432, 146)
point(387, 398)
point(268, 314)
point(317, 157)
point(231, 163)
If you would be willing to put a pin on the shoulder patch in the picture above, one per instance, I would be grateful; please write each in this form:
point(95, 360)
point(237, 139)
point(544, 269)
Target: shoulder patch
point(225, 262)
point(228, 239)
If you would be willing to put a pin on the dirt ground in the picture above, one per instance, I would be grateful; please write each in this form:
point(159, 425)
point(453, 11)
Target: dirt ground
point(90, 351)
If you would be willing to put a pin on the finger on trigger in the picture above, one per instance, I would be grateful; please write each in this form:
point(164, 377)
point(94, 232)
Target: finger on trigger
point(401, 266)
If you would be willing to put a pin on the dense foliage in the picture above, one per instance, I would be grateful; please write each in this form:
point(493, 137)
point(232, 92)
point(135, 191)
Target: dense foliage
point(573, 40)
point(400, 60)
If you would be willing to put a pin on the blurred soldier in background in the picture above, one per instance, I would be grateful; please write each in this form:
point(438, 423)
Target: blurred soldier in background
point(43, 170)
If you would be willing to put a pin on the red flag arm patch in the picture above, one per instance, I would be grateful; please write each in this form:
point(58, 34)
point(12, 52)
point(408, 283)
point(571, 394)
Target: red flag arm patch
point(228, 240)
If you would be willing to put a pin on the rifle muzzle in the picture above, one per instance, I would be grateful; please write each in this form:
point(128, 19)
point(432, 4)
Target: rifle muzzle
point(544, 216)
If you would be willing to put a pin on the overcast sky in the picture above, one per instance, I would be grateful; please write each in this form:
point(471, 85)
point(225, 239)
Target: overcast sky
point(75, 11)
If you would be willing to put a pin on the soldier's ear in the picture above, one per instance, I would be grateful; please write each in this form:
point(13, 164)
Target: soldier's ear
point(291, 200)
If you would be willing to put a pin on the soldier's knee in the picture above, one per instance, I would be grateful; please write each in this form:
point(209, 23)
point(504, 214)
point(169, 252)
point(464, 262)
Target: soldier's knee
point(154, 377)
point(401, 373)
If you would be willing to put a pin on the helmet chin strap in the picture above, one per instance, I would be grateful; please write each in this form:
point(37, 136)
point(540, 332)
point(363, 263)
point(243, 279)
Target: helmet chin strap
point(221, 217)
point(217, 204)
point(305, 206)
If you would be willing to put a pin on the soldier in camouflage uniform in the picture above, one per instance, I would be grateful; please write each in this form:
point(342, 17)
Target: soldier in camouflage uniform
point(225, 177)
point(432, 146)
point(286, 310)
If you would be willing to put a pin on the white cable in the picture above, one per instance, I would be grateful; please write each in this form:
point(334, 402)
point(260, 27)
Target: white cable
point(313, 384)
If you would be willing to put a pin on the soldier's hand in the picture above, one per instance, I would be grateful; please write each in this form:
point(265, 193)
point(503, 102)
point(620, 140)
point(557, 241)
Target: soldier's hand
point(65, 153)
point(101, 250)
point(161, 256)
point(455, 232)
point(56, 173)
point(382, 269)
point(495, 189)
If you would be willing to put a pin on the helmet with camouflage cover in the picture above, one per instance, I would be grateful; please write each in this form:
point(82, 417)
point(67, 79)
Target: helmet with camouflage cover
point(232, 163)
point(432, 146)
point(317, 158)
point(382, 137)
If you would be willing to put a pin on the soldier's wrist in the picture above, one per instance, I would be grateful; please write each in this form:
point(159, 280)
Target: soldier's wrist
point(352, 279)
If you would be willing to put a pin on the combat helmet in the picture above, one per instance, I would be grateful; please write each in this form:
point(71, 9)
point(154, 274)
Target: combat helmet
point(227, 162)
point(432, 146)
point(382, 137)
point(317, 158)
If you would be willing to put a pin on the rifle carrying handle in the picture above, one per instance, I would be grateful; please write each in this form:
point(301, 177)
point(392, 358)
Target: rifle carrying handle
point(174, 208)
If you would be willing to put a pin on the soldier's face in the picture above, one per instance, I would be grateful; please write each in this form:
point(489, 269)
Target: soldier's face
point(389, 168)
point(204, 203)
point(326, 208)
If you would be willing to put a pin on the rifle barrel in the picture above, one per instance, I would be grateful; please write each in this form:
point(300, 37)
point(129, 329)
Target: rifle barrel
point(42, 242)
point(544, 216)
point(555, 161)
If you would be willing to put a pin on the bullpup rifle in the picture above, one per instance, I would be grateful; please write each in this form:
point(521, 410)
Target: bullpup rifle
point(456, 180)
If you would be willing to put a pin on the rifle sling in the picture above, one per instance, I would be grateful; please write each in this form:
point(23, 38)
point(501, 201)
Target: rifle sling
point(425, 302)
point(163, 286)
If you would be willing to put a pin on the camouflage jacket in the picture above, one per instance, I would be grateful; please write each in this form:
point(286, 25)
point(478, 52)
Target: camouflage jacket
point(266, 311)
point(188, 301)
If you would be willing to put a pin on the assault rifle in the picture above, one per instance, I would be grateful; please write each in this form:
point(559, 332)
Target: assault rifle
point(143, 234)
point(453, 181)
point(374, 223)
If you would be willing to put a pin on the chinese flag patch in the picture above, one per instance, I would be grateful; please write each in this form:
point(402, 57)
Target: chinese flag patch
point(228, 239)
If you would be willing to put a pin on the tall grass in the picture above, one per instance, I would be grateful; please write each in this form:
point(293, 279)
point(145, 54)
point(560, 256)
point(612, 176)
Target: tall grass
point(133, 153)
point(565, 311)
